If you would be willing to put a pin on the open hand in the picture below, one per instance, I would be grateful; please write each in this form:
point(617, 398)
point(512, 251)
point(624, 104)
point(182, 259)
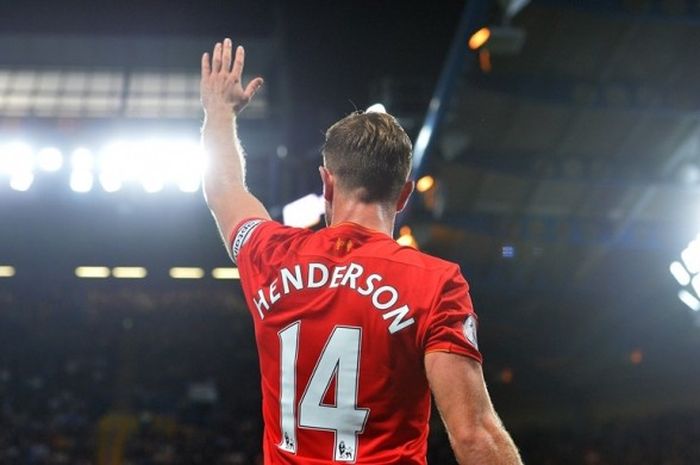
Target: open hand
point(221, 86)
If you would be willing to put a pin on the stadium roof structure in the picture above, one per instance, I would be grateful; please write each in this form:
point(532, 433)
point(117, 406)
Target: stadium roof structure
point(587, 139)
point(111, 77)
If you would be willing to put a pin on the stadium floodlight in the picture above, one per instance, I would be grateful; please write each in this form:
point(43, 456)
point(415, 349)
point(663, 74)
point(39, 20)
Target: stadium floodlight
point(82, 159)
point(16, 157)
point(152, 183)
point(190, 184)
point(695, 283)
point(81, 181)
point(153, 163)
point(687, 274)
point(113, 160)
point(225, 273)
point(21, 181)
point(691, 256)
point(678, 271)
point(7, 271)
point(689, 299)
point(92, 272)
point(186, 165)
point(49, 159)
point(110, 181)
point(304, 212)
point(129, 272)
point(182, 272)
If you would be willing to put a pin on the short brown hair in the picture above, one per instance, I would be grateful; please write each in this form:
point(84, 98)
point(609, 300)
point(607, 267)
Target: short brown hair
point(369, 152)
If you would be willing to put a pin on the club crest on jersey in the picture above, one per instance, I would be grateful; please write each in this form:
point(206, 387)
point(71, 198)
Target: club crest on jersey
point(344, 452)
point(469, 330)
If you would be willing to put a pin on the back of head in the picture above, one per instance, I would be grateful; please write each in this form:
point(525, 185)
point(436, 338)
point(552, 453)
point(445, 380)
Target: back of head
point(369, 154)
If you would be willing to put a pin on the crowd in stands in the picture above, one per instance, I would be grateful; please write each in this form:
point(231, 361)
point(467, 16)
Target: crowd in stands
point(141, 378)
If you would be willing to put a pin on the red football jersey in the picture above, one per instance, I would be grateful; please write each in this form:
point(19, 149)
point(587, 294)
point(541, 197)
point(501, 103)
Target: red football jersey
point(343, 318)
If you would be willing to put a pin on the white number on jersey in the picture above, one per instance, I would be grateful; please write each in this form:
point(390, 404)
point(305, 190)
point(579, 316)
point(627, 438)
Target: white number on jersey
point(339, 361)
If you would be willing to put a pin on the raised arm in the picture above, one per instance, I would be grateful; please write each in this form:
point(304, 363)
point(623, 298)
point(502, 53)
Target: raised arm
point(475, 431)
point(223, 99)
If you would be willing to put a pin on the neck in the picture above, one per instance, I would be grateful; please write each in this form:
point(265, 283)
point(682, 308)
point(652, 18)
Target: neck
point(370, 215)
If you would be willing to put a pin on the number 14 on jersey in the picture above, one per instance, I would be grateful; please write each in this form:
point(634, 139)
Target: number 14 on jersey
point(340, 361)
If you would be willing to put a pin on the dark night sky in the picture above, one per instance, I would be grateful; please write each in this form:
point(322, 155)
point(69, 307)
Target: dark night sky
point(334, 48)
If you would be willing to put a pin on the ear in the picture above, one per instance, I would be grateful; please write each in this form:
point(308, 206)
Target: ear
point(405, 194)
point(328, 183)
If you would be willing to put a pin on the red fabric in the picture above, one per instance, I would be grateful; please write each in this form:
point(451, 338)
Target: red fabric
point(391, 385)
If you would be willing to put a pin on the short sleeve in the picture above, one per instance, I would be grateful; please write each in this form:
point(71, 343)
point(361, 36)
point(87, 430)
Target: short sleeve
point(452, 324)
point(240, 235)
point(258, 245)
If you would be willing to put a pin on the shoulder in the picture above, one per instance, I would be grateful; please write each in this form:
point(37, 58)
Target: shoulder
point(415, 258)
point(263, 235)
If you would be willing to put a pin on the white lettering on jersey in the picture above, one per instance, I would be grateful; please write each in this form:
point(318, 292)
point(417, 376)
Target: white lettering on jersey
point(261, 302)
point(324, 275)
point(354, 272)
point(398, 315)
point(392, 300)
point(295, 279)
point(384, 298)
point(337, 275)
point(370, 284)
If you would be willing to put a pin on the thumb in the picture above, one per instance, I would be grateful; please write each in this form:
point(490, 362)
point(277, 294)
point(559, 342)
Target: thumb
point(252, 87)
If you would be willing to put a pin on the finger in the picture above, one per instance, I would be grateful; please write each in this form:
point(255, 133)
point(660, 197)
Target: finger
point(252, 87)
point(216, 58)
point(226, 64)
point(206, 65)
point(238, 63)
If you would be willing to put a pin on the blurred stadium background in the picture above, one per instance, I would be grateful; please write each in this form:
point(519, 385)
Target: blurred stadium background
point(559, 165)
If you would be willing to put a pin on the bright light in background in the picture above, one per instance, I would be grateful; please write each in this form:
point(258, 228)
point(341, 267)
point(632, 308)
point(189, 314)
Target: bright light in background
point(110, 182)
point(22, 181)
point(225, 273)
point(186, 273)
point(678, 271)
point(190, 184)
point(479, 38)
point(129, 272)
point(152, 163)
point(406, 238)
point(304, 212)
point(81, 181)
point(17, 161)
point(49, 159)
point(152, 184)
point(82, 159)
point(138, 272)
point(7, 271)
point(187, 165)
point(691, 257)
point(689, 299)
point(687, 274)
point(425, 183)
point(508, 251)
point(93, 272)
point(16, 157)
point(81, 178)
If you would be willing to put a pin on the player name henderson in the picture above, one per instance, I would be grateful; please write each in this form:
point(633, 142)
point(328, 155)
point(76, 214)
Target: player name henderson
point(318, 275)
